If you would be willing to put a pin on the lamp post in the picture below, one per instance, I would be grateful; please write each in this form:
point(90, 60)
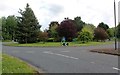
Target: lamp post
point(115, 25)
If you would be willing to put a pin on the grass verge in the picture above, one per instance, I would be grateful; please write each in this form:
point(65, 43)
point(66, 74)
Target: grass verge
point(90, 43)
point(11, 65)
point(0, 63)
point(58, 44)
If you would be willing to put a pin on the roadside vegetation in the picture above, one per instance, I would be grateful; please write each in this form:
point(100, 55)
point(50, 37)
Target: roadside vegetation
point(110, 51)
point(11, 64)
point(0, 67)
point(59, 44)
point(25, 29)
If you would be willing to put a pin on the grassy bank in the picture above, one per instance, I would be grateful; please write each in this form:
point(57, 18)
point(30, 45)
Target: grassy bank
point(14, 65)
point(57, 44)
point(0, 63)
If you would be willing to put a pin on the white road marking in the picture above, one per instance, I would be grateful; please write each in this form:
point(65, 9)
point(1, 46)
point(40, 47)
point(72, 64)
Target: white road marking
point(48, 52)
point(116, 68)
point(92, 62)
point(29, 51)
point(65, 51)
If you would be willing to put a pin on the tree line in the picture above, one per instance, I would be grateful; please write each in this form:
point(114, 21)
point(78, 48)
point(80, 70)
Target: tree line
point(26, 29)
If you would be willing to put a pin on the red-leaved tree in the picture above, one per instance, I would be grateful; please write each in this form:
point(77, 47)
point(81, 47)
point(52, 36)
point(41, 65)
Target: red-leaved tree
point(67, 29)
point(100, 34)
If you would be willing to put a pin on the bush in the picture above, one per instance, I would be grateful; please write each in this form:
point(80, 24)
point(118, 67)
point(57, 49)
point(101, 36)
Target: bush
point(85, 36)
point(50, 40)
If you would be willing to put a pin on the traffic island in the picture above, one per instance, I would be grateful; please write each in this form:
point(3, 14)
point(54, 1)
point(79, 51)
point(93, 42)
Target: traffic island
point(110, 51)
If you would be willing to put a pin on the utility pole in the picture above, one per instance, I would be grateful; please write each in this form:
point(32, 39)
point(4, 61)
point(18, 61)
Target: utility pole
point(115, 24)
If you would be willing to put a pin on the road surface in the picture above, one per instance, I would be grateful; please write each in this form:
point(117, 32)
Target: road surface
point(66, 59)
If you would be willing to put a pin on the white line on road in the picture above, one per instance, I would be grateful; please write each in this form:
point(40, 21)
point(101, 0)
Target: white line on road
point(92, 62)
point(65, 51)
point(116, 68)
point(29, 51)
point(48, 52)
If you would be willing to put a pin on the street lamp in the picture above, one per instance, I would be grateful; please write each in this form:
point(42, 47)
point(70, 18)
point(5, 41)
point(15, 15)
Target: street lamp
point(115, 25)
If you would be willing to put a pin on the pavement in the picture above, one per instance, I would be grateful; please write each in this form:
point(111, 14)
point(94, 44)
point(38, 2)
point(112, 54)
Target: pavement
point(66, 59)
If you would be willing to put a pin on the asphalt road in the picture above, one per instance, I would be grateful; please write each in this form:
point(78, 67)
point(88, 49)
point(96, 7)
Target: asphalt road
point(66, 59)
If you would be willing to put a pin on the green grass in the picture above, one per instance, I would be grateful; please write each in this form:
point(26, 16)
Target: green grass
point(91, 43)
point(14, 65)
point(6, 40)
point(57, 44)
point(0, 63)
point(36, 44)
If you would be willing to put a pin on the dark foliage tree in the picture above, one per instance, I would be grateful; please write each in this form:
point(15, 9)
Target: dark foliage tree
point(79, 23)
point(118, 31)
point(100, 34)
point(28, 27)
point(67, 29)
point(103, 25)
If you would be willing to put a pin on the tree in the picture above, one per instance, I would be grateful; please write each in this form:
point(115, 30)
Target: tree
point(11, 23)
point(103, 25)
point(4, 29)
point(67, 29)
point(110, 32)
point(118, 31)
point(43, 36)
point(79, 23)
point(100, 34)
point(28, 27)
point(0, 29)
point(52, 32)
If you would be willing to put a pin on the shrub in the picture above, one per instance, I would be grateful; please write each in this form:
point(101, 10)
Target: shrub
point(84, 36)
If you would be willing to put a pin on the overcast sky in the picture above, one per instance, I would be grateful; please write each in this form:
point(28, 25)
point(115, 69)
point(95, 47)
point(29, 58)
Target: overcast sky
point(91, 11)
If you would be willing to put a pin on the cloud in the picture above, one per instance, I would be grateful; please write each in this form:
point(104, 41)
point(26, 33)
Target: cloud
point(53, 9)
point(3, 7)
point(49, 12)
point(91, 11)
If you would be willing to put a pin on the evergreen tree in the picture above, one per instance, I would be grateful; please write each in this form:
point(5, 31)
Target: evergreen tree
point(28, 27)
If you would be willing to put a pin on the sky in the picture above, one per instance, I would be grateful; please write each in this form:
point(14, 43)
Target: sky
point(90, 11)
